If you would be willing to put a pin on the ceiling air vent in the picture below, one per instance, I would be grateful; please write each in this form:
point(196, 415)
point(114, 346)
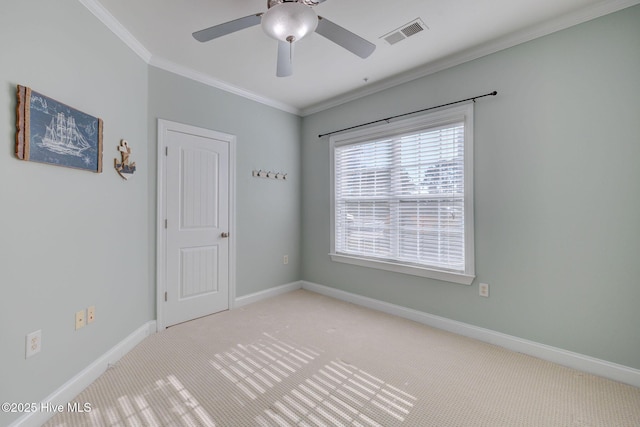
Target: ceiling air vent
point(407, 30)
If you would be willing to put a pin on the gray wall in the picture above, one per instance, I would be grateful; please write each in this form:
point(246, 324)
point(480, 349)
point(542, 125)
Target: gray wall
point(268, 214)
point(557, 191)
point(69, 238)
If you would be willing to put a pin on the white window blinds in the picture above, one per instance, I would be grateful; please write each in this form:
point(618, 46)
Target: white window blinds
point(402, 198)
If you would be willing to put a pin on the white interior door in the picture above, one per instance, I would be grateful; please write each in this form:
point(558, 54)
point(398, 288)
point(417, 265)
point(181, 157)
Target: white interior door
point(196, 224)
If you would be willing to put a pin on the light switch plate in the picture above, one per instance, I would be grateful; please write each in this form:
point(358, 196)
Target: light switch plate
point(80, 318)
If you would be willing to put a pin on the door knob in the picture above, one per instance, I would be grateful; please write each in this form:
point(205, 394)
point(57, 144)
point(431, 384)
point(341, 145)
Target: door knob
point(224, 234)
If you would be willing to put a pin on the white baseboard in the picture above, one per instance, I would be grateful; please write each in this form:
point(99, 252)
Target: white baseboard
point(567, 358)
point(599, 367)
point(267, 293)
point(75, 385)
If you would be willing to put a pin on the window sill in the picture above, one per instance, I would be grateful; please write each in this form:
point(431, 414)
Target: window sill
point(447, 276)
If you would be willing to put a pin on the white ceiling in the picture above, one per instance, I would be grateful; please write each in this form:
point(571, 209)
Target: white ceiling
point(324, 73)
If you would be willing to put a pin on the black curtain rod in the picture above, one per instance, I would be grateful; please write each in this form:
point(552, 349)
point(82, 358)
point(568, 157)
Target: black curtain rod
point(494, 93)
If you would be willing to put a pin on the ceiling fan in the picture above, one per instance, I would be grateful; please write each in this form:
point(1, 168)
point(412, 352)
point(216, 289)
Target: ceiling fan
point(289, 21)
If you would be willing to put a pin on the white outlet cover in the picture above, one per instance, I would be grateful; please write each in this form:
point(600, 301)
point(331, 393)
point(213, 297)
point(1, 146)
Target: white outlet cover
point(484, 289)
point(33, 343)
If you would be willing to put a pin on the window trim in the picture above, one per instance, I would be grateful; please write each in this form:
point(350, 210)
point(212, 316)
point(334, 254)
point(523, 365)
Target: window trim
point(462, 112)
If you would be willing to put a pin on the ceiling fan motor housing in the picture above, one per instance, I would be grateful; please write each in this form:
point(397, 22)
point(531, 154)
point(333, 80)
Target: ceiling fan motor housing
point(289, 21)
point(271, 3)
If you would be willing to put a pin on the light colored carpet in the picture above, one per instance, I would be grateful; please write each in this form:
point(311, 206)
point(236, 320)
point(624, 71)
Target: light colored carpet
point(302, 359)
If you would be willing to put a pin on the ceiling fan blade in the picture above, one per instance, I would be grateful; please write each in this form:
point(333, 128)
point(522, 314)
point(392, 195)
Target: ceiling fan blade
point(344, 38)
point(227, 28)
point(285, 59)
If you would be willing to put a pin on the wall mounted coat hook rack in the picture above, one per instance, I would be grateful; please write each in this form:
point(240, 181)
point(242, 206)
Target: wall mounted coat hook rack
point(270, 174)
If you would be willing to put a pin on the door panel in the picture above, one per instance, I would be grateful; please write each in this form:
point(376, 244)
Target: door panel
point(198, 267)
point(197, 213)
point(199, 190)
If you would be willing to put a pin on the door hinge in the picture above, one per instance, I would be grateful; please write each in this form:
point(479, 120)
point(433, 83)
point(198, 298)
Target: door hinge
point(166, 223)
point(166, 151)
point(165, 296)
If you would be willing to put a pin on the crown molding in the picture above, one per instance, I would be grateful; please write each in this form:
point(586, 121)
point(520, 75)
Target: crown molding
point(134, 44)
point(557, 24)
point(117, 28)
point(597, 10)
point(203, 78)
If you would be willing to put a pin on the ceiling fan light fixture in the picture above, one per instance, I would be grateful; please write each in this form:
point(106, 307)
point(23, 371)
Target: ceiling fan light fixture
point(289, 21)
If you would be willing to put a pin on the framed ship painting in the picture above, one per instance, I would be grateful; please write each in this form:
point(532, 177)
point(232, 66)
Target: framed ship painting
point(51, 132)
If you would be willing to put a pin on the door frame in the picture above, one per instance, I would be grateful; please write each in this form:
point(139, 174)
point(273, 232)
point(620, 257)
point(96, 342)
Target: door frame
point(161, 245)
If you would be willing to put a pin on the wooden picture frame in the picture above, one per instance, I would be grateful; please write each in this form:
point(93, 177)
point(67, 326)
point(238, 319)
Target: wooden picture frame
point(51, 132)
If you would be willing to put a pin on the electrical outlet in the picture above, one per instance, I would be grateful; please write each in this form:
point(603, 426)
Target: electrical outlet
point(285, 259)
point(33, 343)
point(91, 314)
point(484, 289)
point(80, 318)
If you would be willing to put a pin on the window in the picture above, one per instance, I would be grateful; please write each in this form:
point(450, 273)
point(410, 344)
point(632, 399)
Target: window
point(403, 196)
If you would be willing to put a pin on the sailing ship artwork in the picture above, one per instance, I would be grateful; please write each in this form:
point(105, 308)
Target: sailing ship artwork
point(54, 133)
